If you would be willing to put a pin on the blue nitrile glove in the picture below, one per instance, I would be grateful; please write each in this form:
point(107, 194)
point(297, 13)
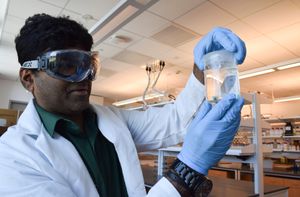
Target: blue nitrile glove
point(211, 133)
point(217, 39)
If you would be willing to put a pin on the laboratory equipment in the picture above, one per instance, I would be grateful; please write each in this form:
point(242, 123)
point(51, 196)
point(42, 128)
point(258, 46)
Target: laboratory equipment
point(221, 75)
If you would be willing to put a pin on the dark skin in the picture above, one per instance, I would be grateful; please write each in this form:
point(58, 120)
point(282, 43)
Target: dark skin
point(198, 74)
point(57, 96)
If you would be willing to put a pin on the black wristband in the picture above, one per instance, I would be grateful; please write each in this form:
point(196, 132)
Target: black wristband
point(178, 183)
point(187, 181)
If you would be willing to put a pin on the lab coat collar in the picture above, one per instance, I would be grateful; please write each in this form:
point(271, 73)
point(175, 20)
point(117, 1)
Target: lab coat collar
point(66, 164)
point(30, 121)
point(69, 163)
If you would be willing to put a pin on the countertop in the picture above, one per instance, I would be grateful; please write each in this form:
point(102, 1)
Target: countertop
point(222, 186)
point(267, 171)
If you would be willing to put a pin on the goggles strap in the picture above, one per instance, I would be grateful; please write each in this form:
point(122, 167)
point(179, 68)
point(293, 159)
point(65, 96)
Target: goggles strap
point(33, 64)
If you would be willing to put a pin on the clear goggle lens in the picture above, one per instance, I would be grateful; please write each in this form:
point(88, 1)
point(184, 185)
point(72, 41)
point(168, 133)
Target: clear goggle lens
point(67, 65)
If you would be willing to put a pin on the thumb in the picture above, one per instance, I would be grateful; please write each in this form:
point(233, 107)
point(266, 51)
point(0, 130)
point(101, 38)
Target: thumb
point(220, 109)
point(235, 111)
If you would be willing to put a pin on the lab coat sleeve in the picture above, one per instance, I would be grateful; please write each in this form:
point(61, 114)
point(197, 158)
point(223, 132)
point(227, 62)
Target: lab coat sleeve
point(163, 188)
point(164, 126)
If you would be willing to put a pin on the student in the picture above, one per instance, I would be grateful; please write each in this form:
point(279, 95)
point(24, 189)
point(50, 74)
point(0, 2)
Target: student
point(64, 146)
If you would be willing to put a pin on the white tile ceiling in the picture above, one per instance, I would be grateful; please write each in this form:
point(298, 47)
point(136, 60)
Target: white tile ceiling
point(123, 44)
point(189, 46)
point(243, 8)
point(107, 51)
point(146, 24)
point(208, 15)
point(151, 48)
point(245, 31)
point(174, 36)
point(24, 9)
point(132, 57)
point(270, 28)
point(166, 10)
point(116, 65)
point(277, 16)
point(95, 8)
point(267, 51)
point(59, 3)
point(287, 37)
point(88, 23)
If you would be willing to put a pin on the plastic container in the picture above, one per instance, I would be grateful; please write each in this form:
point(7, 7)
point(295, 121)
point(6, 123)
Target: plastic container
point(221, 75)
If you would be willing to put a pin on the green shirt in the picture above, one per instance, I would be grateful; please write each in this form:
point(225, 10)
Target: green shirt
point(98, 154)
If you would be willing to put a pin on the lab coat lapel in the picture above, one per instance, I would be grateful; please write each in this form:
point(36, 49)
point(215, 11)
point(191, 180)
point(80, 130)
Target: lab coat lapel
point(61, 160)
point(65, 159)
point(117, 133)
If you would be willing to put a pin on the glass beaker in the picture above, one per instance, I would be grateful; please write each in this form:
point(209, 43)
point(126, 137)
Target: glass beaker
point(221, 75)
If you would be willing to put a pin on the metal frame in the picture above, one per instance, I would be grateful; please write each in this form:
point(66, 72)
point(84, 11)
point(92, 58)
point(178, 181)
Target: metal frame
point(257, 140)
point(256, 159)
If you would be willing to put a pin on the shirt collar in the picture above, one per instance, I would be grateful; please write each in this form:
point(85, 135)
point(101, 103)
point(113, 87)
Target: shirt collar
point(52, 121)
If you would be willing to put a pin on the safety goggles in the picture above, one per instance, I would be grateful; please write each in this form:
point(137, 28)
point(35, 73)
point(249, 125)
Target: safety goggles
point(68, 65)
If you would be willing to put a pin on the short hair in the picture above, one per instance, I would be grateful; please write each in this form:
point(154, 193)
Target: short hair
point(42, 33)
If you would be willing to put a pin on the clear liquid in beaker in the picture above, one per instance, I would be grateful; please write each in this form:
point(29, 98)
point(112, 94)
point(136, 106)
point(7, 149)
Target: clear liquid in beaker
point(220, 82)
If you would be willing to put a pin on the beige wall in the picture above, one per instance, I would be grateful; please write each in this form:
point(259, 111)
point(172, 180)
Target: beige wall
point(99, 100)
point(12, 90)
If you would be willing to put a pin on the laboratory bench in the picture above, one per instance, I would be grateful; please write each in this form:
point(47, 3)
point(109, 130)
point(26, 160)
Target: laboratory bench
point(285, 178)
point(224, 186)
point(236, 171)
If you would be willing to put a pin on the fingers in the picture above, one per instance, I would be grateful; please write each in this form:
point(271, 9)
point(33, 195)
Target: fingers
point(240, 52)
point(217, 39)
point(220, 109)
point(231, 42)
point(221, 36)
point(235, 110)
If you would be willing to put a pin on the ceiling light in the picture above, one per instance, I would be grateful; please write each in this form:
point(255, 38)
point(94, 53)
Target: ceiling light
point(118, 39)
point(270, 68)
point(138, 99)
point(120, 15)
point(252, 74)
point(286, 99)
point(288, 66)
point(266, 115)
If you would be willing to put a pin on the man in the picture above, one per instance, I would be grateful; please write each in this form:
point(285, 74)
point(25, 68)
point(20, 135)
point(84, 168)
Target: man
point(63, 146)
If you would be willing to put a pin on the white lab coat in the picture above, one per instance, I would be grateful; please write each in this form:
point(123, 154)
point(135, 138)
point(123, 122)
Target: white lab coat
point(32, 163)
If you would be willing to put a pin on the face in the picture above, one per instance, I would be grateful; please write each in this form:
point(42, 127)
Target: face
point(55, 95)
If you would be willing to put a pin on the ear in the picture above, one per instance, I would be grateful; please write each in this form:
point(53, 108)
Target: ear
point(27, 79)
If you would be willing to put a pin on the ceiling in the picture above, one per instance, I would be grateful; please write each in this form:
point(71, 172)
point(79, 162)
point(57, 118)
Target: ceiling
point(168, 31)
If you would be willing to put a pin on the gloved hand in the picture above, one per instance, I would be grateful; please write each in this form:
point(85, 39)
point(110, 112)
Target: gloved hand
point(211, 133)
point(217, 39)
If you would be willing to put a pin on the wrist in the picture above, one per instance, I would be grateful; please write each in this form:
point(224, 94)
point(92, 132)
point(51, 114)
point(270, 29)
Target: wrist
point(187, 181)
point(199, 74)
point(200, 166)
